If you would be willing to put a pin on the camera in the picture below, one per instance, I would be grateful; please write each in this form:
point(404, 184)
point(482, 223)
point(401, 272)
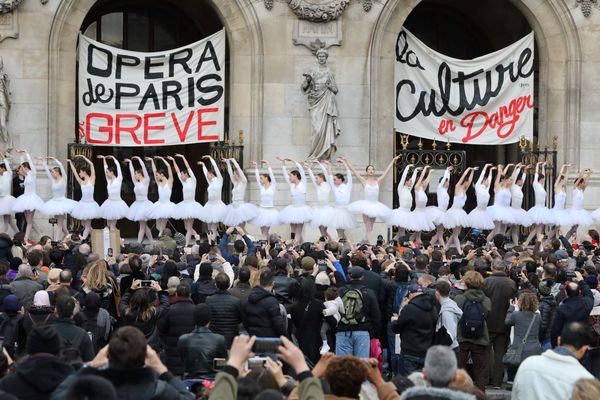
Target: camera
point(266, 347)
point(322, 265)
point(146, 283)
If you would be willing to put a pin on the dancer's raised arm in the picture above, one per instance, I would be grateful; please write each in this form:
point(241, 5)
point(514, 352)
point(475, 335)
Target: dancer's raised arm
point(75, 174)
point(26, 157)
point(118, 166)
point(388, 169)
point(215, 167)
point(169, 170)
point(239, 170)
point(561, 174)
point(362, 180)
point(405, 174)
point(46, 168)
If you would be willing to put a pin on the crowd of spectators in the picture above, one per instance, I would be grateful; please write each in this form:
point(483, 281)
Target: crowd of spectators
point(230, 317)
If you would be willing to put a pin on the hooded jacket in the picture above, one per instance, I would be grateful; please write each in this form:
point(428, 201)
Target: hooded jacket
point(500, 289)
point(572, 309)
point(416, 326)
point(262, 315)
point(480, 297)
point(36, 377)
point(450, 314)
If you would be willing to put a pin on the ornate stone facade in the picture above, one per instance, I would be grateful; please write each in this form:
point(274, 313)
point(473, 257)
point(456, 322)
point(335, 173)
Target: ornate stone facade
point(265, 65)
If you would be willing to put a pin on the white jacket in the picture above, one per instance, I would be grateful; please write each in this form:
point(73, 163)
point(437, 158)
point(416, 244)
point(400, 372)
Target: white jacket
point(547, 377)
point(334, 307)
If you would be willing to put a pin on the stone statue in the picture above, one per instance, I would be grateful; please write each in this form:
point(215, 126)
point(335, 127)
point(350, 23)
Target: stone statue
point(4, 102)
point(319, 85)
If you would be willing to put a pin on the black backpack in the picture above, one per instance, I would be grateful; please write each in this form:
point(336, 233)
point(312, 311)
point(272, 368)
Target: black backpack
point(354, 313)
point(472, 322)
point(70, 352)
point(8, 329)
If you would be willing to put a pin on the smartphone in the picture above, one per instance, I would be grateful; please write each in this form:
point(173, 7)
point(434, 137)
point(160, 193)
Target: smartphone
point(262, 243)
point(322, 265)
point(219, 363)
point(211, 257)
point(256, 362)
point(109, 252)
point(266, 346)
point(146, 283)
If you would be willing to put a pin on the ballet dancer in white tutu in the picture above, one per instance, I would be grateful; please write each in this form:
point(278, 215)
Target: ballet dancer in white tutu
point(479, 218)
point(520, 216)
point(113, 208)
point(214, 210)
point(138, 210)
point(579, 215)
point(370, 207)
point(188, 209)
point(29, 201)
point(238, 212)
point(422, 219)
point(539, 213)
point(297, 213)
point(341, 186)
point(558, 214)
point(322, 213)
point(6, 199)
point(58, 206)
point(164, 208)
point(456, 217)
point(500, 211)
point(268, 215)
point(437, 212)
point(401, 217)
point(86, 209)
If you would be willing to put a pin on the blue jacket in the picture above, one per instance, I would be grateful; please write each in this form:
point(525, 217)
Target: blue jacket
point(234, 259)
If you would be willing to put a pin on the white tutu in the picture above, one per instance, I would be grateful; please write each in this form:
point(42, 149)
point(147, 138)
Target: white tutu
point(6, 205)
point(266, 217)
point(480, 219)
point(27, 202)
point(214, 212)
point(559, 217)
point(138, 210)
point(436, 215)
point(295, 214)
point(596, 214)
point(162, 210)
point(342, 219)
point(322, 216)
point(539, 215)
point(400, 217)
point(373, 209)
point(238, 213)
point(521, 217)
point(60, 206)
point(580, 216)
point(86, 210)
point(502, 214)
point(188, 209)
point(456, 217)
point(421, 220)
point(114, 209)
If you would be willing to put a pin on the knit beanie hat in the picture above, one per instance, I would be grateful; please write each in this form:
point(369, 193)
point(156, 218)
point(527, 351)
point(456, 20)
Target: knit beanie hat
point(307, 263)
point(43, 339)
point(544, 288)
point(11, 304)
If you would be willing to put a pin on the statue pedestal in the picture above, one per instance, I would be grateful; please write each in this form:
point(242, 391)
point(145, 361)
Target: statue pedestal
point(314, 35)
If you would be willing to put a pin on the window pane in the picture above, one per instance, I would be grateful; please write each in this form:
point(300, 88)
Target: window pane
point(90, 32)
point(112, 29)
point(165, 32)
point(138, 31)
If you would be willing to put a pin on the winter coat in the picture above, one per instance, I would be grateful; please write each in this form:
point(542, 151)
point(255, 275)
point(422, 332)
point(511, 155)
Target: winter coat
point(25, 288)
point(199, 348)
point(572, 309)
point(107, 298)
point(476, 295)
point(416, 326)
point(307, 317)
point(149, 327)
point(433, 393)
point(450, 314)
point(5, 247)
point(201, 289)
point(547, 309)
point(285, 289)
point(136, 383)
point(521, 320)
point(241, 290)
point(500, 289)
point(262, 315)
point(178, 321)
point(225, 315)
point(36, 377)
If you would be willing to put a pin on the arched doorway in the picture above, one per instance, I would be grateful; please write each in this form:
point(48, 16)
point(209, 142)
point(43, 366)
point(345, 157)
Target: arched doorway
point(149, 26)
point(558, 79)
point(466, 29)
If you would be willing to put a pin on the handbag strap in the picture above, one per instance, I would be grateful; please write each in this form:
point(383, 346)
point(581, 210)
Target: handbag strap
point(529, 328)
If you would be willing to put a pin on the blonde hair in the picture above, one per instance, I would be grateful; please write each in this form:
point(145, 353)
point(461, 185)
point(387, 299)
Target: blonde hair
point(96, 275)
point(473, 280)
point(586, 389)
